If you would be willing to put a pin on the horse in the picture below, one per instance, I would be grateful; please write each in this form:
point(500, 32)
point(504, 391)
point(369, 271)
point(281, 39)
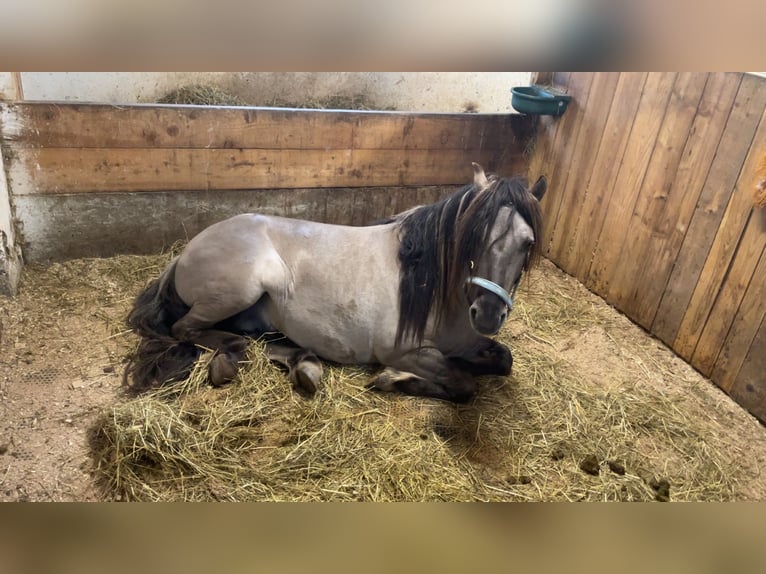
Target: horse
point(420, 294)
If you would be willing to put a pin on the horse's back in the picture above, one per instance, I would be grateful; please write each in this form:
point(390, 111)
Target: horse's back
point(331, 288)
point(220, 261)
point(343, 299)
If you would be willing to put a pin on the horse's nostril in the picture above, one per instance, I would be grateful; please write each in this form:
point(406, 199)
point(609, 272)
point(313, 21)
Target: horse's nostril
point(474, 313)
point(503, 316)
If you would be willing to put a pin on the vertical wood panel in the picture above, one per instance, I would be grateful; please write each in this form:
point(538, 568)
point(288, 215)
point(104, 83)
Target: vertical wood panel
point(650, 207)
point(735, 283)
point(646, 126)
point(670, 224)
point(745, 325)
point(717, 285)
point(561, 195)
point(603, 176)
point(558, 169)
point(545, 140)
point(594, 119)
point(749, 389)
point(727, 163)
point(18, 87)
point(624, 276)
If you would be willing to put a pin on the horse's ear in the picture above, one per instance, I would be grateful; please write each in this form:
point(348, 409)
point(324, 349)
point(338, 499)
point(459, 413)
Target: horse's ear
point(479, 177)
point(540, 187)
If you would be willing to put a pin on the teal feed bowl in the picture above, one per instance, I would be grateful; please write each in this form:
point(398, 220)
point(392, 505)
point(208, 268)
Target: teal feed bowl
point(538, 101)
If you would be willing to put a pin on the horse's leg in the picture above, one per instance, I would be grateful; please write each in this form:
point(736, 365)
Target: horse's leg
point(426, 372)
point(229, 351)
point(194, 327)
point(303, 366)
point(486, 357)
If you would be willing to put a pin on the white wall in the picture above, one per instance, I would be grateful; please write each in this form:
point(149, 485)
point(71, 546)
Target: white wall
point(489, 92)
point(10, 255)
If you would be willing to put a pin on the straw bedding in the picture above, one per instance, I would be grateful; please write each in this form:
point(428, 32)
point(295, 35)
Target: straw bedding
point(586, 415)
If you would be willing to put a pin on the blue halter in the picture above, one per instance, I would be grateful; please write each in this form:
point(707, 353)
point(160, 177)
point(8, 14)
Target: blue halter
point(494, 288)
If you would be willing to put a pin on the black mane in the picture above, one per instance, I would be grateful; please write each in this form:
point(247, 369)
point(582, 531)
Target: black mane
point(439, 241)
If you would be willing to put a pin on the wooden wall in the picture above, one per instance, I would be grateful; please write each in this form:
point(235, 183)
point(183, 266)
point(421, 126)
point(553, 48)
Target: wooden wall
point(650, 206)
point(99, 179)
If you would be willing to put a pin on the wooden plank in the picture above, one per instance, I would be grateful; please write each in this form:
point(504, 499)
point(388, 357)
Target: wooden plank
point(546, 129)
point(67, 170)
point(720, 263)
point(632, 265)
point(18, 87)
point(174, 127)
point(724, 171)
point(602, 178)
point(750, 314)
point(749, 388)
point(564, 149)
point(648, 119)
point(585, 149)
point(742, 265)
point(669, 224)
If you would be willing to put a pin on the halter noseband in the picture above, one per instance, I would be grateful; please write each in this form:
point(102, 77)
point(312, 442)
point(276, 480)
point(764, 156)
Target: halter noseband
point(495, 289)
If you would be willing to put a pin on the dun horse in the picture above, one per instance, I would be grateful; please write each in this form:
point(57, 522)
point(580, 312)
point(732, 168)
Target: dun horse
point(420, 293)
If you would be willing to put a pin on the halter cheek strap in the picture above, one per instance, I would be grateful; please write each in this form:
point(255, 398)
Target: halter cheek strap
point(494, 288)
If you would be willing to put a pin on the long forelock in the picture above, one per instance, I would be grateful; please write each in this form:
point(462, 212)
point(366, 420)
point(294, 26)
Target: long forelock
point(474, 228)
point(439, 241)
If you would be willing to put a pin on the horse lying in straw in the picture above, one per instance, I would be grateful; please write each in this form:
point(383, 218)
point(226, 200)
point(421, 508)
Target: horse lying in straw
point(419, 293)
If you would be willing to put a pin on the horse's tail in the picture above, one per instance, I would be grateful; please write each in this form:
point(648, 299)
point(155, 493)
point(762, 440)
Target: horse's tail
point(159, 357)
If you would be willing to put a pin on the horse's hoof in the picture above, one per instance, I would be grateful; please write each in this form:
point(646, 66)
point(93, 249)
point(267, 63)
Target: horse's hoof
point(222, 370)
point(306, 376)
point(386, 380)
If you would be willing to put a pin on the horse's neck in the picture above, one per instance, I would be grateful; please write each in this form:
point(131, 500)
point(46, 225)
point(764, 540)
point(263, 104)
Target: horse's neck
point(454, 326)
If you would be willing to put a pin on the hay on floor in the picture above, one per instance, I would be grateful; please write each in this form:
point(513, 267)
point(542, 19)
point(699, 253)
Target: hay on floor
point(547, 433)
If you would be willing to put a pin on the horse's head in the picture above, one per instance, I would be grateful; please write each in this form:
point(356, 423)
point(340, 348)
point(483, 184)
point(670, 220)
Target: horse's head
point(496, 242)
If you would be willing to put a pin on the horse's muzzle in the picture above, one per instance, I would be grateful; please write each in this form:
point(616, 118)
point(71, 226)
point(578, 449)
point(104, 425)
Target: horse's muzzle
point(487, 314)
point(489, 310)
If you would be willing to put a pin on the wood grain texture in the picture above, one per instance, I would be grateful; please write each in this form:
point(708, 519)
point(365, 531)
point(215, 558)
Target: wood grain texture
point(746, 322)
point(594, 117)
point(655, 213)
point(733, 146)
point(729, 262)
point(601, 180)
point(731, 301)
point(643, 136)
point(668, 225)
point(749, 388)
point(177, 127)
point(94, 170)
point(65, 148)
point(641, 235)
point(557, 168)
